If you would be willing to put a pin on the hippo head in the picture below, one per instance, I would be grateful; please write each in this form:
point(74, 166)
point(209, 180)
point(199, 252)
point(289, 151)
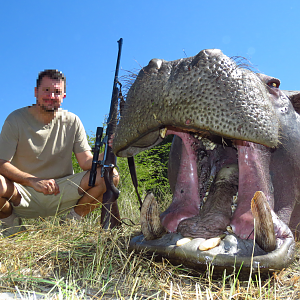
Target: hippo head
point(233, 165)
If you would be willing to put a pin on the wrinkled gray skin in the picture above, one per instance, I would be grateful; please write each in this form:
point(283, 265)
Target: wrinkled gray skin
point(222, 115)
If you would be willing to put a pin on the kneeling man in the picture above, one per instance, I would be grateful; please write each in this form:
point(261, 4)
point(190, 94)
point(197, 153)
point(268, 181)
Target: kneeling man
point(36, 173)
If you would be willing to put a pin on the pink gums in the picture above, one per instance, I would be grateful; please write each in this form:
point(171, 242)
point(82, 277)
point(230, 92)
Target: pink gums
point(186, 201)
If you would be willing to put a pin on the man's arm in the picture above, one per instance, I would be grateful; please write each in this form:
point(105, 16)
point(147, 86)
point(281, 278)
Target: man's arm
point(45, 186)
point(85, 159)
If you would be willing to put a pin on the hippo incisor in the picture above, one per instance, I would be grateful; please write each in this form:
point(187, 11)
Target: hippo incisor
point(238, 136)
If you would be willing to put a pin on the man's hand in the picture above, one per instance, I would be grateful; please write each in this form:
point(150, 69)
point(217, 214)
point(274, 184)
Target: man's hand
point(45, 186)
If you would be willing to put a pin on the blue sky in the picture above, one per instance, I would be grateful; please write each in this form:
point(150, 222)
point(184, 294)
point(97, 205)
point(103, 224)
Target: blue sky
point(80, 39)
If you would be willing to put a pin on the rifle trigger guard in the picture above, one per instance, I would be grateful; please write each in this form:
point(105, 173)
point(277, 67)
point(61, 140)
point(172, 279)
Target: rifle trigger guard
point(106, 167)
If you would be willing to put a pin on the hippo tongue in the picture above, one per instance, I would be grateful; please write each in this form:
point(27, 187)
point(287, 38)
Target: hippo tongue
point(187, 188)
point(253, 160)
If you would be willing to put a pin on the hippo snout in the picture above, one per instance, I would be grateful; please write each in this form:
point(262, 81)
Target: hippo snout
point(207, 92)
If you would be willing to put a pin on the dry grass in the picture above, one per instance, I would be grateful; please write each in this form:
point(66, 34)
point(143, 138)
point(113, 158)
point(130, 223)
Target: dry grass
point(79, 261)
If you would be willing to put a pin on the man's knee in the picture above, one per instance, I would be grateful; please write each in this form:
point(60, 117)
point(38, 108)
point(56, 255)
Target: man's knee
point(116, 177)
point(5, 187)
point(2, 185)
point(84, 184)
point(99, 182)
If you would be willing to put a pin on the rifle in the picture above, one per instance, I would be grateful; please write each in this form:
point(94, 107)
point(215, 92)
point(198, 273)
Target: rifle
point(110, 216)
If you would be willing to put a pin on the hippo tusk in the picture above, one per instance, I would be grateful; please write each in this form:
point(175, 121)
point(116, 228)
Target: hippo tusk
point(150, 222)
point(264, 228)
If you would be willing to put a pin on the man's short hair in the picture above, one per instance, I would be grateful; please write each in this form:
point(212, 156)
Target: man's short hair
point(53, 74)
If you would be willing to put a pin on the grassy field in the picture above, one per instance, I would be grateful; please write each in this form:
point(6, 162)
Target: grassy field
point(79, 260)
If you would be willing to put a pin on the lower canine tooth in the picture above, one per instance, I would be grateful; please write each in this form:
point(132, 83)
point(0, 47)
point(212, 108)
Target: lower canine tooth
point(150, 221)
point(183, 241)
point(210, 244)
point(264, 227)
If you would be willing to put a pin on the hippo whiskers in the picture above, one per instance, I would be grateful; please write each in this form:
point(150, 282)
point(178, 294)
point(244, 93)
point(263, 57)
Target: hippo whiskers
point(234, 131)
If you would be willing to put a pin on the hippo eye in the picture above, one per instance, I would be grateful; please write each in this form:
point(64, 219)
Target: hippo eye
point(274, 83)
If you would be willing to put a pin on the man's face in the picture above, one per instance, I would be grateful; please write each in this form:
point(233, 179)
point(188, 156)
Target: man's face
point(50, 94)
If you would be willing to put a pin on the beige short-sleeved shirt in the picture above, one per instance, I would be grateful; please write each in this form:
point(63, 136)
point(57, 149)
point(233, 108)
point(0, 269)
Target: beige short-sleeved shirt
point(44, 151)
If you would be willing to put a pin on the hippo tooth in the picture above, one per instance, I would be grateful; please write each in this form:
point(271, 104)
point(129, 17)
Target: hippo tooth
point(234, 199)
point(229, 229)
point(208, 144)
point(162, 132)
point(210, 244)
point(150, 221)
point(234, 203)
point(264, 227)
point(183, 241)
point(233, 208)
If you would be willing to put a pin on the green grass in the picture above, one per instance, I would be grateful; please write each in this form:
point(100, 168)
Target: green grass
point(80, 260)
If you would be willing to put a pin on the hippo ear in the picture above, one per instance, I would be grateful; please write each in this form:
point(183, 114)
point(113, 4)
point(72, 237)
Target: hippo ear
point(295, 99)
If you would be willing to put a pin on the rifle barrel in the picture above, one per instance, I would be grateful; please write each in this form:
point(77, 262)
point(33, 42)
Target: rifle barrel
point(112, 103)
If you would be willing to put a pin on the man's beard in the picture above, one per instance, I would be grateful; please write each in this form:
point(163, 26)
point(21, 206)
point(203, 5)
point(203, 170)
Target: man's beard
point(47, 109)
point(44, 108)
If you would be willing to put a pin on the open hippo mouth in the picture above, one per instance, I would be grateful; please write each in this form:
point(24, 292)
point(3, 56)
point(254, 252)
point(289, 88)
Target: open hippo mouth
point(215, 181)
point(226, 163)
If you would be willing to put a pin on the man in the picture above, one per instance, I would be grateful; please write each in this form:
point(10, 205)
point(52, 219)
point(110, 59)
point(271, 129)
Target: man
point(36, 174)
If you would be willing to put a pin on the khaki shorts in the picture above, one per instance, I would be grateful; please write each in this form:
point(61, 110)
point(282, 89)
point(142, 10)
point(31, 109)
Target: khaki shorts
point(34, 204)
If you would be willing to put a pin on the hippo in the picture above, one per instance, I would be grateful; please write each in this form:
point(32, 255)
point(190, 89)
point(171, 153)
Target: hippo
point(233, 166)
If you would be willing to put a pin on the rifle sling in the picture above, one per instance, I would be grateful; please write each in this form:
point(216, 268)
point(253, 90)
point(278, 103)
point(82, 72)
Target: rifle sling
point(132, 170)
